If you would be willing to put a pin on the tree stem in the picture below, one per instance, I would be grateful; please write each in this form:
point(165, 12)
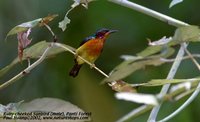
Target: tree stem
point(152, 13)
point(170, 21)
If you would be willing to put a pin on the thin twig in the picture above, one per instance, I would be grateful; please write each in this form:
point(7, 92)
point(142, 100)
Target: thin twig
point(52, 33)
point(92, 65)
point(192, 58)
point(185, 57)
point(191, 98)
point(28, 69)
point(136, 112)
point(172, 72)
point(170, 21)
point(164, 18)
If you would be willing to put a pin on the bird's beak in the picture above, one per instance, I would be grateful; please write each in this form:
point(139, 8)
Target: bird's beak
point(112, 31)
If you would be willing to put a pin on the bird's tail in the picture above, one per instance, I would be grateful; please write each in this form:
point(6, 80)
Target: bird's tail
point(74, 71)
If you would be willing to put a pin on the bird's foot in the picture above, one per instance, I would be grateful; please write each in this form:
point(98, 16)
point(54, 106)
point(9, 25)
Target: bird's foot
point(76, 56)
point(92, 66)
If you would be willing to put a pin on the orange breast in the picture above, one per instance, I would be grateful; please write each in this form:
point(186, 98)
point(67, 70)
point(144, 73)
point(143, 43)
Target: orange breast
point(94, 47)
point(90, 50)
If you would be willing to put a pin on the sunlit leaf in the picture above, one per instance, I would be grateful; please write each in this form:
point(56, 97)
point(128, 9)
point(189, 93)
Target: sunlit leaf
point(129, 57)
point(24, 26)
point(162, 41)
point(138, 98)
point(128, 67)
point(174, 2)
point(150, 50)
point(187, 34)
point(31, 24)
point(159, 82)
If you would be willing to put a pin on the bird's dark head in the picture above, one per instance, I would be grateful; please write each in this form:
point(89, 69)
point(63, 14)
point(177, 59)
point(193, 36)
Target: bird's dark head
point(104, 33)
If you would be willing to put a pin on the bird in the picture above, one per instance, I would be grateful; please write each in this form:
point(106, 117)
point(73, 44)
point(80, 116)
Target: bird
point(90, 49)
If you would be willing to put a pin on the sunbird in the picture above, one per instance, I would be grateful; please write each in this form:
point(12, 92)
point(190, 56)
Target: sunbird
point(90, 49)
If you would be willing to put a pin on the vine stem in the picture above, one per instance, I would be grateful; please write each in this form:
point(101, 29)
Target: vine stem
point(172, 72)
point(192, 97)
point(187, 102)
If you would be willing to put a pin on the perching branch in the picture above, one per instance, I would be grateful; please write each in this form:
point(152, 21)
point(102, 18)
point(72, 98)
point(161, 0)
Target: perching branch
point(52, 33)
point(92, 65)
point(32, 66)
point(28, 69)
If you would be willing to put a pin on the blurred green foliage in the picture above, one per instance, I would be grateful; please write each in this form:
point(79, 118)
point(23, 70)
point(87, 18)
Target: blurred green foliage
point(51, 79)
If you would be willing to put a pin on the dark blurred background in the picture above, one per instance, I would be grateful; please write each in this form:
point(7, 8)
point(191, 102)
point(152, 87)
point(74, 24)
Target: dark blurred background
point(51, 79)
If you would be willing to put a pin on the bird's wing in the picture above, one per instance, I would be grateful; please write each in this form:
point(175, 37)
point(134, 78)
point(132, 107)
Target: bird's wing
point(87, 39)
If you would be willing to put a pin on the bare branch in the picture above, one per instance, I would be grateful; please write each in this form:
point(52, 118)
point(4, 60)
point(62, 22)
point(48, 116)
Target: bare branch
point(165, 88)
point(152, 13)
point(92, 65)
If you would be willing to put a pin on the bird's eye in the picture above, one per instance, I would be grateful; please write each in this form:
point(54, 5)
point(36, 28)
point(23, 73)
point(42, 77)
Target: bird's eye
point(100, 34)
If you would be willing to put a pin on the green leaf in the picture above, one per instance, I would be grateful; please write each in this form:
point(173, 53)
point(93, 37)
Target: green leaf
point(31, 24)
point(66, 20)
point(4, 70)
point(165, 51)
point(128, 67)
point(50, 107)
point(132, 64)
point(182, 34)
point(160, 82)
point(35, 52)
point(187, 34)
point(38, 49)
point(63, 23)
point(150, 50)
point(23, 27)
point(174, 2)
